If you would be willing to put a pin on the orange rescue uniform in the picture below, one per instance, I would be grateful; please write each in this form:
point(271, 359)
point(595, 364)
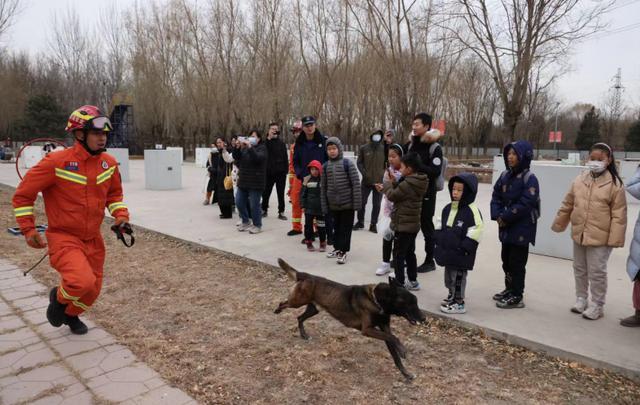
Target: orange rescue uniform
point(295, 186)
point(76, 187)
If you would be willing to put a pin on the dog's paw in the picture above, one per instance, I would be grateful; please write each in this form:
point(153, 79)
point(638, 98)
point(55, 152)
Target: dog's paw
point(402, 351)
point(408, 376)
point(277, 310)
point(305, 336)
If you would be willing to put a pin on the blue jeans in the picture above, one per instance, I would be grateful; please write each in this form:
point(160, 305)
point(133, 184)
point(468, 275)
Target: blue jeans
point(248, 203)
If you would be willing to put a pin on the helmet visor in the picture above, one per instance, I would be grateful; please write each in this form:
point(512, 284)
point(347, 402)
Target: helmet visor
point(101, 124)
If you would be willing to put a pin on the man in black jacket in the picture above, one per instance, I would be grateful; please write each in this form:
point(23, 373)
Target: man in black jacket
point(277, 168)
point(420, 143)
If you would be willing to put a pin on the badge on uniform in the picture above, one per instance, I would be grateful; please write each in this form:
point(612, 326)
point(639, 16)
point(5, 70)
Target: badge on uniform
point(71, 166)
point(105, 165)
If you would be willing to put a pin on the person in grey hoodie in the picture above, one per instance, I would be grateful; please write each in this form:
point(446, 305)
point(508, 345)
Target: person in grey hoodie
point(340, 197)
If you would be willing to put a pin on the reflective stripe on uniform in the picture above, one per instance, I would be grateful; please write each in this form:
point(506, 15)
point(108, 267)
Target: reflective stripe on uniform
point(80, 305)
point(68, 296)
point(74, 300)
point(106, 175)
point(115, 206)
point(296, 219)
point(23, 211)
point(71, 176)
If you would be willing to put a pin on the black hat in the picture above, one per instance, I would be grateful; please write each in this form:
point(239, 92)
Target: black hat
point(308, 119)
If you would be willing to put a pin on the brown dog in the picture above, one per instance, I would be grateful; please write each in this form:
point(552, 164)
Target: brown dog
point(367, 308)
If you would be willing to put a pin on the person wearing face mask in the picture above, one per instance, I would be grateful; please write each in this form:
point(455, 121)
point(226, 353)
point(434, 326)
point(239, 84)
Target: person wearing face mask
point(372, 165)
point(596, 206)
point(251, 159)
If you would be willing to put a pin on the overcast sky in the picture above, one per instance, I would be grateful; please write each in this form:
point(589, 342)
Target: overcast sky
point(593, 63)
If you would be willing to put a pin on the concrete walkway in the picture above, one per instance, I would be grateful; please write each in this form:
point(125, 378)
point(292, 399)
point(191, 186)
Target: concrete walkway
point(40, 364)
point(545, 324)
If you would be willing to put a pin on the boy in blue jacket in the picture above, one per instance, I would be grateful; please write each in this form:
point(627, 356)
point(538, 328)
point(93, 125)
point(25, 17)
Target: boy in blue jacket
point(457, 239)
point(515, 205)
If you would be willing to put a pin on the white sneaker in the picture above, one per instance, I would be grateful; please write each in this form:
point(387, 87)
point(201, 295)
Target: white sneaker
point(244, 227)
point(593, 312)
point(342, 257)
point(385, 268)
point(333, 254)
point(254, 229)
point(453, 308)
point(580, 305)
point(412, 285)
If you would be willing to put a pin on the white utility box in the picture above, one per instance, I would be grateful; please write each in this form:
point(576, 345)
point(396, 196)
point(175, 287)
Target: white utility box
point(498, 168)
point(31, 155)
point(162, 169)
point(202, 155)
point(178, 149)
point(554, 180)
point(122, 156)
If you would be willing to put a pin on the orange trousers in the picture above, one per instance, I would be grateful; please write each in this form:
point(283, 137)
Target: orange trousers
point(295, 186)
point(80, 264)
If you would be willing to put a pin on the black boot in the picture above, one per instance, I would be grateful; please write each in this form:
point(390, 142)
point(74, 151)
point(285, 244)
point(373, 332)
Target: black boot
point(373, 228)
point(427, 266)
point(358, 225)
point(55, 310)
point(76, 325)
point(633, 321)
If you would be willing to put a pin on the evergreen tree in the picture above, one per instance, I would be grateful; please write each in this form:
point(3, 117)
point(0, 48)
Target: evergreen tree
point(632, 142)
point(589, 131)
point(43, 118)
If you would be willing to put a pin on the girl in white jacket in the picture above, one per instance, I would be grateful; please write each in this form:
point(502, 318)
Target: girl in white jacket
point(393, 172)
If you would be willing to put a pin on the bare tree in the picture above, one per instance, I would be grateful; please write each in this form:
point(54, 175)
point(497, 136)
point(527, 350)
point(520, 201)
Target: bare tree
point(511, 36)
point(9, 9)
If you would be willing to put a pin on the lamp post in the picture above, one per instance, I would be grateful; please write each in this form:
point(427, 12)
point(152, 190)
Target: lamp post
point(555, 134)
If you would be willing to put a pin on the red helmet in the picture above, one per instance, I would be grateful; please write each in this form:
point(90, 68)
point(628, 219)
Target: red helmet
point(88, 117)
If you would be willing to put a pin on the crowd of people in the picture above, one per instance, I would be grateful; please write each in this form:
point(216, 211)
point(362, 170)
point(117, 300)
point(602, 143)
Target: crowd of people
point(403, 181)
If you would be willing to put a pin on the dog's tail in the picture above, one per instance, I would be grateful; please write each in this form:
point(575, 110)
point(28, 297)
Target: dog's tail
point(291, 272)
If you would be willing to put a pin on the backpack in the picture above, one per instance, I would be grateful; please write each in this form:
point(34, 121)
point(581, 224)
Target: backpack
point(525, 178)
point(345, 167)
point(443, 169)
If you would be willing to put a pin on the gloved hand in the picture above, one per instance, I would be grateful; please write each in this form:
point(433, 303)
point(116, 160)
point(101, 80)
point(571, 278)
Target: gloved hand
point(35, 240)
point(121, 220)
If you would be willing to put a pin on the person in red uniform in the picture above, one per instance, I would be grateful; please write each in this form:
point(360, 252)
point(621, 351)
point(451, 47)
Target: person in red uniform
point(295, 185)
point(77, 184)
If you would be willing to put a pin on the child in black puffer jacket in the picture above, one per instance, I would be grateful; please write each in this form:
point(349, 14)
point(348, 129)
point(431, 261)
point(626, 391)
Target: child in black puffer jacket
point(457, 239)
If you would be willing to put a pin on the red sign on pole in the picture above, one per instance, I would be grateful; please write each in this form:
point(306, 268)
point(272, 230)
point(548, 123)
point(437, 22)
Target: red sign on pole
point(555, 136)
point(440, 125)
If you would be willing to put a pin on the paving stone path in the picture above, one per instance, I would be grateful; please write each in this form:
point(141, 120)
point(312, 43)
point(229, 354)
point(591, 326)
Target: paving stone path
point(40, 364)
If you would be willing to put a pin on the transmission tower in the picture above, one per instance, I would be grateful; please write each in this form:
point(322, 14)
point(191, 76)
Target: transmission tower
point(614, 106)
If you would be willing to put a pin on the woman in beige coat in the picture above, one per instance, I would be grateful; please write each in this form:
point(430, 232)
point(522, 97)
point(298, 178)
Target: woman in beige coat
point(597, 209)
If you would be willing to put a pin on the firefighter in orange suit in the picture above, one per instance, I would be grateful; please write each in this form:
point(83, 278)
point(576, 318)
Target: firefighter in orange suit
point(295, 186)
point(77, 184)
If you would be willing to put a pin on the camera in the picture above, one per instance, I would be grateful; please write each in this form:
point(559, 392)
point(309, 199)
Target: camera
point(242, 138)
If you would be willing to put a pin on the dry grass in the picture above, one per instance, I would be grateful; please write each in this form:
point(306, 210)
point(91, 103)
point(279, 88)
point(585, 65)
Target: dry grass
point(204, 319)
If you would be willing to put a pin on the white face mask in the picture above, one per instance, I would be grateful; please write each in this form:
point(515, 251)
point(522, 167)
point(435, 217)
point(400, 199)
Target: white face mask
point(376, 138)
point(596, 166)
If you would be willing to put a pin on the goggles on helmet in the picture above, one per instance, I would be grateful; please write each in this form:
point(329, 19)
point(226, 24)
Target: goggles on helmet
point(99, 123)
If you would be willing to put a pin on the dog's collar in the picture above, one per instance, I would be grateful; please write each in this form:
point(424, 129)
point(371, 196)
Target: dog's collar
point(375, 301)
